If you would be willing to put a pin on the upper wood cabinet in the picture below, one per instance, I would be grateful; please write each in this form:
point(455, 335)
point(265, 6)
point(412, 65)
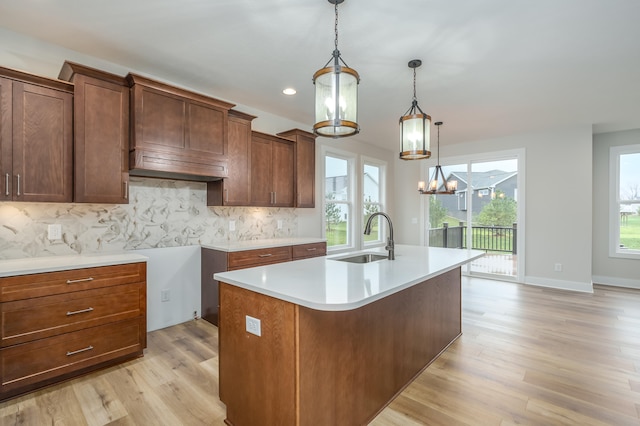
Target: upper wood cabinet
point(272, 171)
point(36, 137)
point(305, 170)
point(234, 190)
point(176, 133)
point(101, 135)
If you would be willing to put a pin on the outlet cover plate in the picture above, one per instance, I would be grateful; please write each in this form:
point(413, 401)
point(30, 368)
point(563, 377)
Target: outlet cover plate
point(253, 325)
point(54, 232)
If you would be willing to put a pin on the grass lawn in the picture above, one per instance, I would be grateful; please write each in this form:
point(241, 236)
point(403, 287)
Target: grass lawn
point(338, 234)
point(630, 232)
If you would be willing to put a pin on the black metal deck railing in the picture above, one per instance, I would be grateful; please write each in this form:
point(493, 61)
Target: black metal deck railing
point(489, 238)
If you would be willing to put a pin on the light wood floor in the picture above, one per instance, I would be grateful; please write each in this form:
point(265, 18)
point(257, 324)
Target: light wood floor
point(527, 356)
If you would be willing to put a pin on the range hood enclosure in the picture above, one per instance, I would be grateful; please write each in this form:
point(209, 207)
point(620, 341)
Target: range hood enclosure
point(176, 133)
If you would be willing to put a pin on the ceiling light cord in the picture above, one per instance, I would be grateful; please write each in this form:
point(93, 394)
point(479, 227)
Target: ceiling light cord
point(438, 162)
point(335, 28)
point(414, 86)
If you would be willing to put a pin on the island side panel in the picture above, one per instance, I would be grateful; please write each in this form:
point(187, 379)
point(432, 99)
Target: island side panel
point(257, 373)
point(353, 363)
point(211, 261)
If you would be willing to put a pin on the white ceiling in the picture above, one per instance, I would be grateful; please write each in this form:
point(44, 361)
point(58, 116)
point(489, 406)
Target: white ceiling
point(491, 68)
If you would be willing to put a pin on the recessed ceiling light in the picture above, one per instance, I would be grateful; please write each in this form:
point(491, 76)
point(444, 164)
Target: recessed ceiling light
point(289, 91)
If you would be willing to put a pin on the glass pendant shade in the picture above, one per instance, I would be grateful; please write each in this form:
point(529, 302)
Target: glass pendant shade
point(415, 127)
point(415, 135)
point(336, 101)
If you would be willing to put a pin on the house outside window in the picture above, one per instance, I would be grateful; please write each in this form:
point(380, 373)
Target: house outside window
point(624, 202)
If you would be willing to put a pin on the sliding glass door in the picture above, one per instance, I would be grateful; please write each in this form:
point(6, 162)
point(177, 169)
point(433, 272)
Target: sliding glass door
point(483, 214)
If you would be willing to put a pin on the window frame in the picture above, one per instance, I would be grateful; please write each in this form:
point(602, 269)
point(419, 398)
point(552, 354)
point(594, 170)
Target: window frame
point(382, 183)
point(355, 201)
point(349, 202)
point(615, 152)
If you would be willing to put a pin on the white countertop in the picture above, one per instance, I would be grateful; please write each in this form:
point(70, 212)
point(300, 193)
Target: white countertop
point(259, 244)
point(326, 284)
point(36, 265)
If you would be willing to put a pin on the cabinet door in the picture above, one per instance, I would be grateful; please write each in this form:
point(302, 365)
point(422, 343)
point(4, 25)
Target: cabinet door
point(6, 143)
point(261, 172)
point(42, 143)
point(236, 186)
point(159, 120)
point(305, 172)
point(101, 110)
point(283, 171)
point(206, 128)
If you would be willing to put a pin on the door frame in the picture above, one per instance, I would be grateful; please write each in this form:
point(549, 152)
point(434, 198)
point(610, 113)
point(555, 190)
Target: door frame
point(468, 160)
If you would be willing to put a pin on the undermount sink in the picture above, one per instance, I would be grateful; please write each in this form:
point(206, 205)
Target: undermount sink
point(363, 258)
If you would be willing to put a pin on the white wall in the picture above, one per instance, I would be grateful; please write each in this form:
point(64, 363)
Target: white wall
point(406, 195)
point(558, 202)
point(176, 270)
point(608, 270)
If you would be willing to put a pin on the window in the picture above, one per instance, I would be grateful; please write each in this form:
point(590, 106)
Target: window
point(372, 200)
point(338, 205)
point(624, 216)
point(348, 192)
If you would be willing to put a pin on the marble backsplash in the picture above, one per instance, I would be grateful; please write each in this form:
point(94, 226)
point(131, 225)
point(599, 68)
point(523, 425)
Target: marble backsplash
point(160, 213)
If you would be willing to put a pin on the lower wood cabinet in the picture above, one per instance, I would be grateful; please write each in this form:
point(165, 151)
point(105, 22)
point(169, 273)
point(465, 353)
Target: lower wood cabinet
point(214, 261)
point(58, 325)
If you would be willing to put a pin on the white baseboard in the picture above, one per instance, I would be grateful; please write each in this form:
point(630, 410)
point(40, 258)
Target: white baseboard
point(616, 282)
point(584, 287)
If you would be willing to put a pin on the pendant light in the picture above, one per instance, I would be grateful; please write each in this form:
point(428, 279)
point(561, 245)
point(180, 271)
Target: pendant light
point(414, 127)
point(336, 94)
point(437, 179)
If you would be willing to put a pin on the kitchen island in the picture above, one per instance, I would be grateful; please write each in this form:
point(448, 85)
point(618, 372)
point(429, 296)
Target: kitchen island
point(324, 341)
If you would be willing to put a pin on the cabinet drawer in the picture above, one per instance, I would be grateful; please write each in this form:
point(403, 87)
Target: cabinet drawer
point(26, 320)
point(249, 258)
point(309, 250)
point(50, 283)
point(38, 361)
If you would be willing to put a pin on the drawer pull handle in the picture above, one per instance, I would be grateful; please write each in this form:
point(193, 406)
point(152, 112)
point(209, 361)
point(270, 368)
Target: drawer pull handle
point(265, 255)
point(6, 184)
point(88, 348)
point(312, 249)
point(82, 311)
point(82, 280)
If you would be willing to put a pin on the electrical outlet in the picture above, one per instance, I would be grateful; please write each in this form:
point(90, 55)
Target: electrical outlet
point(557, 267)
point(232, 225)
point(279, 223)
point(165, 295)
point(55, 232)
point(253, 325)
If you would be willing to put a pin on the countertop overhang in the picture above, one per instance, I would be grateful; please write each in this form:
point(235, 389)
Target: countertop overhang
point(327, 284)
point(231, 246)
point(36, 265)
